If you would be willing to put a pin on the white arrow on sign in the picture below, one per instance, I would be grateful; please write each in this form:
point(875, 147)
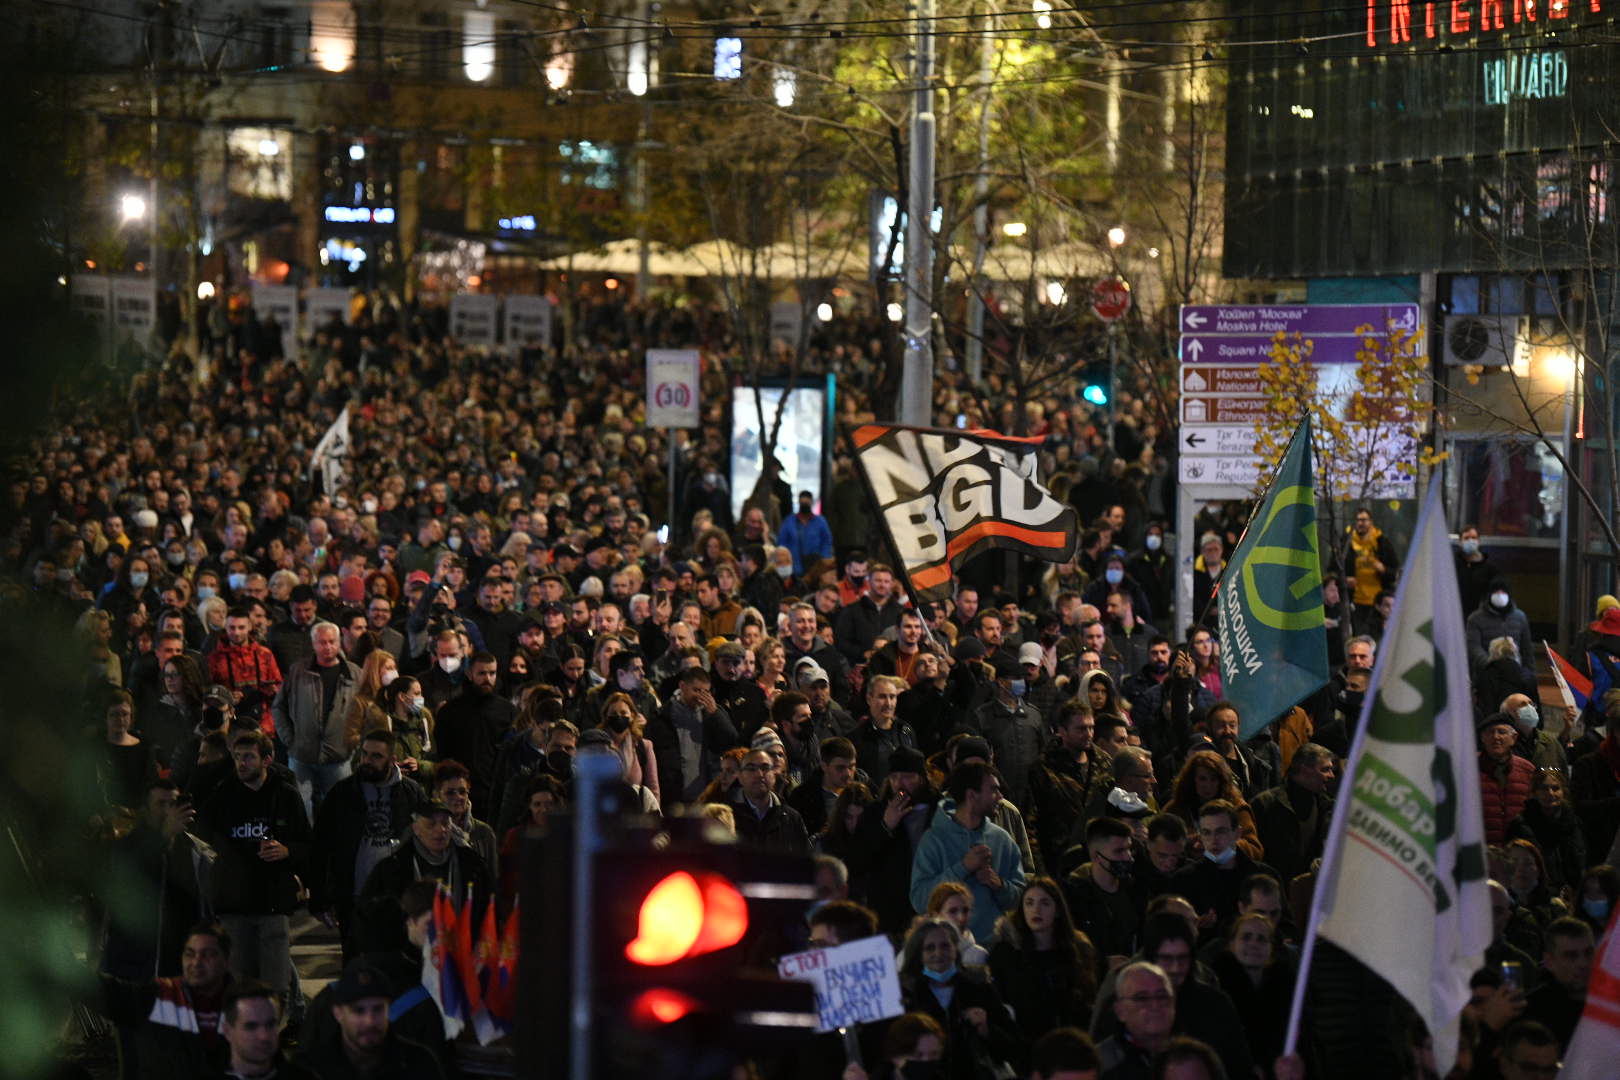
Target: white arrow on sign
point(1194, 347)
point(1194, 319)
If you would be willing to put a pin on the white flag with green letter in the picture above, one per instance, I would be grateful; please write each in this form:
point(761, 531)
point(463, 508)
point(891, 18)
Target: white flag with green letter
point(1403, 877)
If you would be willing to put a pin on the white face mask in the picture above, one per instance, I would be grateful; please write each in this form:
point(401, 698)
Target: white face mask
point(368, 506)
point(450, 664)
point(1499, 600)
point(389, 676)
point(1154, 541)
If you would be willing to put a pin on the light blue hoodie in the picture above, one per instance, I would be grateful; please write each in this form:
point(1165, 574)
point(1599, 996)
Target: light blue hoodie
point(939, 859)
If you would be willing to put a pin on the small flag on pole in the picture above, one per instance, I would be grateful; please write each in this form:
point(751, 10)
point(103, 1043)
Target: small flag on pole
point(331, 454)
point(1269, 600)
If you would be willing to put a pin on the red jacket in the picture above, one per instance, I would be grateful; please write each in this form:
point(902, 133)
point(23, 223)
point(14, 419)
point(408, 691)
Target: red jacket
point(250, 671)
point(1502, 802)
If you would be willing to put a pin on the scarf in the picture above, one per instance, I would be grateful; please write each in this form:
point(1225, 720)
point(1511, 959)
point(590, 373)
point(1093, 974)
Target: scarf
point(427, 865)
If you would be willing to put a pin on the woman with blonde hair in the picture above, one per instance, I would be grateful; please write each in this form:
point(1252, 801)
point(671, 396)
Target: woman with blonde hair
point(365, 711)
point(625, 726)
point(770, 661)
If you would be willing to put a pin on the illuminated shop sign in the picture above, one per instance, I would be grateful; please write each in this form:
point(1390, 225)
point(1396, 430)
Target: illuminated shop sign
point(360, 215)
point(1397, 22)
point(1525, 77)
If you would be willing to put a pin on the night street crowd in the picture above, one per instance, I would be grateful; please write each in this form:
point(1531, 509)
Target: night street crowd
point(331, 701)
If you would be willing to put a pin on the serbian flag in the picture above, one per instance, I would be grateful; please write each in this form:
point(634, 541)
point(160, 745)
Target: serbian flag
point(465, 964)
point(485, 960)
point(1575, 687)
point(439, 971)
point(500, 997)
point(1595, 1047)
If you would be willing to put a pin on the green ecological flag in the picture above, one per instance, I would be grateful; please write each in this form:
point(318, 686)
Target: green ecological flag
point(1269, 600)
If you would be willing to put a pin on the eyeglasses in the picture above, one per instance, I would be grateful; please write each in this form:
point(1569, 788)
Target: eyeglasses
point(1162, 997)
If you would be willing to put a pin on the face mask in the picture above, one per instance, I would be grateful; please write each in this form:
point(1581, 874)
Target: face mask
point(138, 580)
point(194, 556)
point(629, 680)
point(1499, 600)
point(418, 704)
point(1123, 869)
point(941, 976)
point(618, 723)
point(1470, 547)
point(1017, 687)
point(1596, 909)
point(389, 676)
point(1527, 716)
point(450, 664)
point(922, 1070)
point(205, 592)
point(1154, 541)
point(1158, 667)
point(368, 506)
point(1350, 700)
point(455, 543)
point(1223, 858)
point(421, 485)
point(1049, 637)
point(236, 581)
point(560, 763)
point(1114, 577)
point(784, 572)
point(176, 558)
point(711, 478)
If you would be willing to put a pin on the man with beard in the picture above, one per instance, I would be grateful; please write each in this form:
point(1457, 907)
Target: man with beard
point(816, 685)
point(470, 727)
point(1292, 819)
point(366, 1046)
point(1251, 773)
point(739, 696)
point(362, 821)
point(1062, 783)
point(887, 836)
point(431, 853)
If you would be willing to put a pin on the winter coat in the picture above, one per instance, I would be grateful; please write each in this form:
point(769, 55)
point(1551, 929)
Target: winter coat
point(1486, 624)
point(1594, 785)
point(856, 627)
point(1059, 787)
point(1558, 834)
point(808, 540)
point(970, 1056)
point(711, 735)
point(1278, 816)
point(884, 859)
point(781, 829)
point(1503, 798)
point(340, 827)
point(873, 745)
point(1016, 736)
point(311, 732)
point(939, 859)
point(469, 729)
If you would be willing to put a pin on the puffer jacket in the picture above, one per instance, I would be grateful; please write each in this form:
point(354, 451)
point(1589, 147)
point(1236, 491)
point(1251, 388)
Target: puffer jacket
point(1486, 624)
point(310, 732)
point(1503, 801)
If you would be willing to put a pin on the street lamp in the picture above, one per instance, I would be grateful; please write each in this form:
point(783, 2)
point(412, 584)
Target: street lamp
point(1116, 236)
point(131, 207)
point(1014, 229)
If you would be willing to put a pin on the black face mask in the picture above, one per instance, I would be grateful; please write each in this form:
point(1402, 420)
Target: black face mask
point(1123, 869)
point(618, 723)
point(923, 1070)
point(1049, 637)
point(1350, 700)
point(560, 763)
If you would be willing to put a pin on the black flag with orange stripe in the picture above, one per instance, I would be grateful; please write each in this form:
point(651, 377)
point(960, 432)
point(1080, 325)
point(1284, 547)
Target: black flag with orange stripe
point(944, 496)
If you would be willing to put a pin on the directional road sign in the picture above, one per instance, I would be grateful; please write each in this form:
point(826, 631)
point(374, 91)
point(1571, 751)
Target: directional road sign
point(1212, 379)
point(1205, 440)
point(1312, 320)
point(1256, 349)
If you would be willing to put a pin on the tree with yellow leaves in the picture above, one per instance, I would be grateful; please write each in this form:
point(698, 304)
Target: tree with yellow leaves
point(1368, 421)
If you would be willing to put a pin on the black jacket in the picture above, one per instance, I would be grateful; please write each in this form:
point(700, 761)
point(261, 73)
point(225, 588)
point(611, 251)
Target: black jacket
point(883, 858)
point(1058, 790)
point(969, 1054)
point(718, 734)
point(857, 626)
point(1278, 813)
point(1045, 990)
point(781, 829)
point(401, 1060)
point(469, 729)
point(1558, 835)
point(340, 826)
point(874, 745)
point(382, 920)
point(1209, 887)
point(161, 1011)
point(234, 820)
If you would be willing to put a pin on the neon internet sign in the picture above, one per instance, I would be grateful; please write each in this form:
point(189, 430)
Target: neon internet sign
point(1397, 22)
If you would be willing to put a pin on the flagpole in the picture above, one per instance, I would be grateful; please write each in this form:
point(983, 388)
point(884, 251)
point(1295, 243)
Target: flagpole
point(1215, 591)
point(1339, 823)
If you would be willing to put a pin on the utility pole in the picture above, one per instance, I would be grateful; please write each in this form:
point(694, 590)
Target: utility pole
point(917, 374)
point(981, 206)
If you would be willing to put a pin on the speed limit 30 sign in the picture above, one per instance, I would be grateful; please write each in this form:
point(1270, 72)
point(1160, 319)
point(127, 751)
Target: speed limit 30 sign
point(672, 388)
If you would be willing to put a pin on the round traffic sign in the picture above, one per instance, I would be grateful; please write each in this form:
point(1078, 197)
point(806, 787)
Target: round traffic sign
point(1110, 298)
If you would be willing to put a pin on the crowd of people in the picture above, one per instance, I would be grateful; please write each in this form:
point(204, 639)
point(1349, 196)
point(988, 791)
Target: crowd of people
point(335, 700)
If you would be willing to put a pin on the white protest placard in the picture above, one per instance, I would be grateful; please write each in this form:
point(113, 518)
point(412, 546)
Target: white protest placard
point(322, 305)
point(134, 307)
point(528, 322)
point(787, 322)
point(280, 302)
point(92, 298)
point(472, 318)
point(673, 377)
point(855, 983)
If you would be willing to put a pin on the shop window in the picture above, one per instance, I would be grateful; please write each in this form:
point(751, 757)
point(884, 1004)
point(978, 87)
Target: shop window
point(1509, 488)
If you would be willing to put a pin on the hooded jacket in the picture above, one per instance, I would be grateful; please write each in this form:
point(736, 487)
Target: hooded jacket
point(939, 859)
point(340, 829)
point(1486, 624)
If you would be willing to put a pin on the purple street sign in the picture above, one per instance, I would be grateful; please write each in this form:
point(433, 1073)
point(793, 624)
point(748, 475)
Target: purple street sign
point(1256, 349)
point(1312, 320)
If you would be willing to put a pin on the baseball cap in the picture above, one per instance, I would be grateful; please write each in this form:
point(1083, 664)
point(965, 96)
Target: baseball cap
point(972, 747)
point(807, 673)
point(418, 577)
point(359, 981)
point(732, 650)
point(1029, 652)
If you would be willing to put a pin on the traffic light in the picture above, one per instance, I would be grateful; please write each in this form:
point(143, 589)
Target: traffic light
point(684, 934)
point(1095, 392)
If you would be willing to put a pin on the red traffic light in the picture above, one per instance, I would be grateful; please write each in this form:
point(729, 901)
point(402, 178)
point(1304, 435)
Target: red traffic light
point(661, 1005)
point(685, 915)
